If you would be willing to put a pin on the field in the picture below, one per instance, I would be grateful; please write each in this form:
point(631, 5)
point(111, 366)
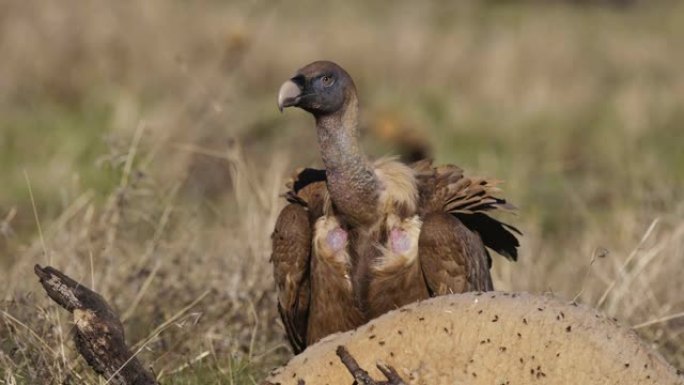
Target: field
point(142, 153)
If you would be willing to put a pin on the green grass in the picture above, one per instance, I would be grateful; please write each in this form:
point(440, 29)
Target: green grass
point(75, 138)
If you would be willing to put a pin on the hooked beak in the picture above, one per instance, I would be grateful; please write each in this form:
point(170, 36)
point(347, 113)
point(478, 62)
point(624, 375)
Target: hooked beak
point(288, 95)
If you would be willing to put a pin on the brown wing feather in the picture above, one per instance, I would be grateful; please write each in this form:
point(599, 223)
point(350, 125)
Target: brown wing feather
point(291, 263)
point(307, 188)
point(291, 256)
point(453, 258)
point(445, 189)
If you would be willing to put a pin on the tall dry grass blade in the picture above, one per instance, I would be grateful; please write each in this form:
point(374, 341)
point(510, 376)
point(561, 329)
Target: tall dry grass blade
point(171, 320)
point(92, 268)
point(115, 219)
point(161, 225)
point(142, 344)
point(141, 293)
point(132, 152)
point(659, 320)
point(60, 334)
point(70, 212)
point(40, 339)
point(6, 223)
point(255, 329)
point(598, 253)
point(48, 257)
point(186, 365)
point(623, 269)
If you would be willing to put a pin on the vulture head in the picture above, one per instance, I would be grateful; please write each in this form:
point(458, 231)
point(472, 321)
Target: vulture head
point(321, 88)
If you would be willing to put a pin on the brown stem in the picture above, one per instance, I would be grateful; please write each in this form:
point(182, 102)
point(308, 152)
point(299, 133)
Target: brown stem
point(99, 334)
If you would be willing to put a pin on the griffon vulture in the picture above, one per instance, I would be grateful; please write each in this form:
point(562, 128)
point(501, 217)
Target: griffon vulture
point(361, 238)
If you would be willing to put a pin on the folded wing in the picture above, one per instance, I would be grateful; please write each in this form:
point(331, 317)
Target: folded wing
point(457, 227)
point(291, 255)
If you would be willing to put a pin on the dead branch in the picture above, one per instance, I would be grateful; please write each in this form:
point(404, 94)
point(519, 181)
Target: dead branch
point(361, 376)
point(99, 334)
point(391, 374)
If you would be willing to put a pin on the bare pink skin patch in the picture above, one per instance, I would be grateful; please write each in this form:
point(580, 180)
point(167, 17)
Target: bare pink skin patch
point(400, 242)
point(337, 239)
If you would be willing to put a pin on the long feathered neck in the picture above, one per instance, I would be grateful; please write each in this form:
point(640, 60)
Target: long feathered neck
point(351, 181)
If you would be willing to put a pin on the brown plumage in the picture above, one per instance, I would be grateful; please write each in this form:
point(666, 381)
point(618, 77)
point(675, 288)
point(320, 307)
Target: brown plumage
point(361, 238)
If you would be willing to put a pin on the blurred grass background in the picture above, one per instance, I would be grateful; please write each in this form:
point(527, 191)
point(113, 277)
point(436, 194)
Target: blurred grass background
point(149, 137)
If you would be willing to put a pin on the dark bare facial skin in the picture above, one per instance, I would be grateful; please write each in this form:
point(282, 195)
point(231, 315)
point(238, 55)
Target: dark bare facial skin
point(324, 87)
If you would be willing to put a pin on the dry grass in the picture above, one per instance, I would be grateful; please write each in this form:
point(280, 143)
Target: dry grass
point(150, 138)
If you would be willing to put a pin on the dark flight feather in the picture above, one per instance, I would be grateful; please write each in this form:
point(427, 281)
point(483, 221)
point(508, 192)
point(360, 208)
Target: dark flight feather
point(495, 234)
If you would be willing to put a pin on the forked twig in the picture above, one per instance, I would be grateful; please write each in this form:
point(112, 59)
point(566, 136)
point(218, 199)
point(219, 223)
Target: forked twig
point(361, 376)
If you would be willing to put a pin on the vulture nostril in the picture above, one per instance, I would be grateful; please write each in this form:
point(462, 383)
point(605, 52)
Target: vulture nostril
point(299, 80)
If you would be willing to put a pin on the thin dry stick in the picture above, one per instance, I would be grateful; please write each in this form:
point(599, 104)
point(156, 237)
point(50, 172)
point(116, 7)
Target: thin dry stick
point(361, 376)
point(390, 373)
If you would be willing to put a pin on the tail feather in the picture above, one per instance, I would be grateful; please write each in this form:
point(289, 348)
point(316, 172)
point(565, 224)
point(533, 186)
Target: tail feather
point(495, 234)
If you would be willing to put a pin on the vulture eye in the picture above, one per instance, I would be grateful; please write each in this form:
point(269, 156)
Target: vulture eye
point(327, 80)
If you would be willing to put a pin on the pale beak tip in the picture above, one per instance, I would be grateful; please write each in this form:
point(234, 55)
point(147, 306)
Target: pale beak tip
point(288, 95)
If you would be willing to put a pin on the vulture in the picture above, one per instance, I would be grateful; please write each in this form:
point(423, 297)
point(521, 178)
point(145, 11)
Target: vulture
point(362, 237)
